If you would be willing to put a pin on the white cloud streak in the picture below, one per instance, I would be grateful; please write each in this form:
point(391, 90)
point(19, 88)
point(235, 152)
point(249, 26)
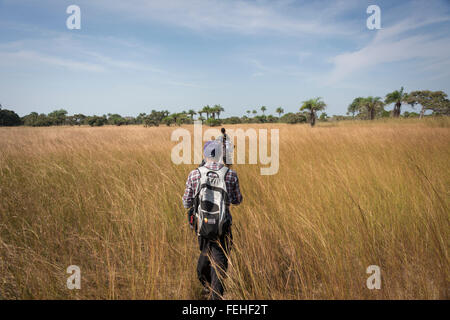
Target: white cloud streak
point(37, 58)
point(237, 16)
point(393, 44)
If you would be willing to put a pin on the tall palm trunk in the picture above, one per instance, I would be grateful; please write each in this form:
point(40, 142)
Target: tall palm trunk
point(313, 118)
point(397, 107)
point(372, 113)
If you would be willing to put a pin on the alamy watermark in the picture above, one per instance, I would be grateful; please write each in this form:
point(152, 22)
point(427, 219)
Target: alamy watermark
point(374, 281)
point(74, 280)
point(74, 20)
point(257, 146)
point(374, 20)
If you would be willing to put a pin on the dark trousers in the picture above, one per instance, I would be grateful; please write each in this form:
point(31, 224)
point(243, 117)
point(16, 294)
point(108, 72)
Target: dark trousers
point(213, 263)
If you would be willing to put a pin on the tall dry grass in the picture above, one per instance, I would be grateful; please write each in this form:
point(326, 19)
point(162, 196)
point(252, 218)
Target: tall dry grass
point(347, 195)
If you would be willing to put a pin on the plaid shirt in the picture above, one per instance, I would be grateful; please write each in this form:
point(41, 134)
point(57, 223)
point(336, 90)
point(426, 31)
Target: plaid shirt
point(231, 182)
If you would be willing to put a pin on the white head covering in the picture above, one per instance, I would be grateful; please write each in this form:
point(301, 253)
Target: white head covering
point(213, 150)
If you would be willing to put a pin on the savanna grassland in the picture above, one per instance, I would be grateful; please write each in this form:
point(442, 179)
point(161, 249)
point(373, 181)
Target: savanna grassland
point(347, 195)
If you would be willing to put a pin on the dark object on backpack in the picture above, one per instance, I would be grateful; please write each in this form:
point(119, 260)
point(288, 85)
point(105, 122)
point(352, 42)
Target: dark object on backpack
point(191, 218)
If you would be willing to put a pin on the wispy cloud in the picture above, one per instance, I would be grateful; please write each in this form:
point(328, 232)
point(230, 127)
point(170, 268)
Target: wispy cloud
point(37, 58)
point(244, 17)
point(76, 53)
point(122, 64)
point(394, 44)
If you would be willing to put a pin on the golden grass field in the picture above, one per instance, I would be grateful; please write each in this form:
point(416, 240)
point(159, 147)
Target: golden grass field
point(347, 195)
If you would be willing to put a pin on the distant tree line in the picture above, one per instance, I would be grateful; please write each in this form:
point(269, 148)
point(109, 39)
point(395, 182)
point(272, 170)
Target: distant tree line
point(373, 107)
point(362, 108)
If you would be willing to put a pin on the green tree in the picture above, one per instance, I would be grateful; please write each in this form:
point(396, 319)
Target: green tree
point(323, 116)
point(397, 97)
point(43, 121)
point(355, 106)
point(79, 118)
point(140, 118)
point(96, 121)
point(37, 120)
point(206, 109)
point(30, 119)
point(218, 109)
point(212, 122)
point(58, 117)
point(312, 106)
point(280, 111)
point(181, 118)
point(9, 118)
point(263, 109)
point(271, 119)
point(430, 100)
point(293, 118)
point(200, 113)
point(116, 119)
point(154, 118)
point(213, 111)
point(191, 113)
point(372, 105)
point(158, 116)
point(168, 120)
point(232, 120)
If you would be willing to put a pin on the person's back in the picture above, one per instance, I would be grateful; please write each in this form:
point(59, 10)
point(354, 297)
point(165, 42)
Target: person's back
point(216, 247)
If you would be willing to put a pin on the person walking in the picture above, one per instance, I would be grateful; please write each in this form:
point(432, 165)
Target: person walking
point(210, 190)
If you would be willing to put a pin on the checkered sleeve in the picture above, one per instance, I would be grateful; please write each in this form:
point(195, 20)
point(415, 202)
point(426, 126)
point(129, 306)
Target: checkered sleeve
point(234, 192)
point(191, 187)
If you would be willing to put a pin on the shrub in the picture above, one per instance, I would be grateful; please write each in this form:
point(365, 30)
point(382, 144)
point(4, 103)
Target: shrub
point(293, 118)
point(96, 121)
point(9, 118)
point(232, 120)
point(213, 122)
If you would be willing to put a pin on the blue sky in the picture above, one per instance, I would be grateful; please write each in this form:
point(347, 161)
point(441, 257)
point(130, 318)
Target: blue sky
point(134, 56)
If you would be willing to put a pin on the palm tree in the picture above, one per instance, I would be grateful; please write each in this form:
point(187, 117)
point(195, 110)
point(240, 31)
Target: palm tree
point(279, 110)
point(371, 104)
point(192, 113)
point(200, 113)
point(254, 112)
point(218, 109)
point(312, 106)
point(263, 109)
point(213, 111)
point(397, 97)
point(207, 109)
point(248, 112)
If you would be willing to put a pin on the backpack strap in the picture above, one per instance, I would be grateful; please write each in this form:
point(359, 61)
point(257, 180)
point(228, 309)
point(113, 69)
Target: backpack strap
point(224, 170)
point(197, 192)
